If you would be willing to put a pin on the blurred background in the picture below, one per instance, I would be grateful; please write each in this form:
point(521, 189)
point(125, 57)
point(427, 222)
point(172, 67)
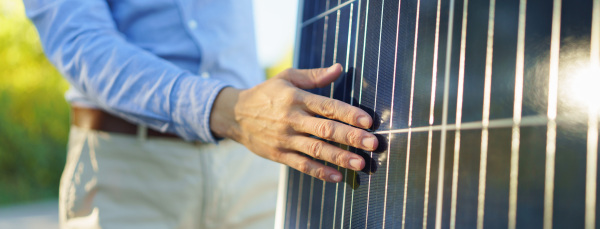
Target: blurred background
point(34, 117)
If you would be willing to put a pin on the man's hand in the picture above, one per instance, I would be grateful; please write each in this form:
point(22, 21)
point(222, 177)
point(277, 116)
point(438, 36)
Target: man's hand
point(276, 118)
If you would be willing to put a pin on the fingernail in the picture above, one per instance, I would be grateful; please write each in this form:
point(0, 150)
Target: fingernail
point(364, 121)
point(369, 142)
point(336, 178)
point(356, 164)
point(332, 68)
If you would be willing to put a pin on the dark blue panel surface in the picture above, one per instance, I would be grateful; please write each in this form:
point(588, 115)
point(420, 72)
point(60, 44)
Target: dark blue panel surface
point(498, 178)
point(314, 203)
point(530, 203)
point(537, 48)
point(468, 178)
point(504, 60)
point(474, 56)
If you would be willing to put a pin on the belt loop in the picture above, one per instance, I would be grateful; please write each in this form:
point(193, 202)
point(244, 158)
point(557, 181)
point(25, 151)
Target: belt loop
point(142, 133)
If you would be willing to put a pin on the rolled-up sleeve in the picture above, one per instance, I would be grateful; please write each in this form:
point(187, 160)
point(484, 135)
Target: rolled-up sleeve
point(81, 39)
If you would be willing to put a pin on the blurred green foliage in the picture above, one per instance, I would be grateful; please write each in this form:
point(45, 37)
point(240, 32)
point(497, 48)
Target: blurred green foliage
point(34, 117)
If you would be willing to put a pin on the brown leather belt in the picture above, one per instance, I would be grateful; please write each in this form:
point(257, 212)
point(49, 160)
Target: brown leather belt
point(95, 119)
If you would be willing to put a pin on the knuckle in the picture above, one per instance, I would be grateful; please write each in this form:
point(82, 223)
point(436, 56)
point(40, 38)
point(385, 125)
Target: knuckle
point(288, 96)
point(288, 71)
point(327, 107)
point(325, 130)
point(351, 115)
point(277, 157)
point(280, 142)
point(315, 72)
point(353, 137)
point(320, 173)
point(295, 95)
point(304, 167)
point(340, 159)
point(315, 149)
point(289, 92)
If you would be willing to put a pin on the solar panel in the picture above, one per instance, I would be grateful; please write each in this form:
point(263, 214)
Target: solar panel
point(487, 113)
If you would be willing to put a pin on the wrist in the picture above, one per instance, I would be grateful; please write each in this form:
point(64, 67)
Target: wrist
point(222, 116)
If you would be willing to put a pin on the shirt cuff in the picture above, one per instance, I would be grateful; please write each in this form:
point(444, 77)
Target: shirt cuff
point(191, 100)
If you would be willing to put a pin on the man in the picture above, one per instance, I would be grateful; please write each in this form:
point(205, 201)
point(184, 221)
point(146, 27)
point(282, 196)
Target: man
point(179, 67)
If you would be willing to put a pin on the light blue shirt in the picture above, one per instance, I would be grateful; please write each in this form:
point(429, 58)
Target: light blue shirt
point(160, 63)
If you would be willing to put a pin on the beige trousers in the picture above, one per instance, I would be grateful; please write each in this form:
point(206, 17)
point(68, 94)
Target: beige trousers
point(121, 181)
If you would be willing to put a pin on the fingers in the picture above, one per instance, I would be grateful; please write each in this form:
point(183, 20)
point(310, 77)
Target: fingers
point(312, 78)
point(324, 151)
point(338, 110)
point(311, 167)
point(337, 132)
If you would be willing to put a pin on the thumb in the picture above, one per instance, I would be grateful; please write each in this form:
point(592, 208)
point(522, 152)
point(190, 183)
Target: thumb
point(313, 78)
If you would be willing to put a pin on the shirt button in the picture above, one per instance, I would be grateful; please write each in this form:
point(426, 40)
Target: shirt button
point(192, 24)
point(205, 75)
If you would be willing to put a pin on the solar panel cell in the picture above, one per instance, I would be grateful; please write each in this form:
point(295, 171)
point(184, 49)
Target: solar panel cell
point(498, 179)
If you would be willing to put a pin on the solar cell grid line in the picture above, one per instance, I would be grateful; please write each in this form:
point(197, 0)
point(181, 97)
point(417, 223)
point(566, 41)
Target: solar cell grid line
point(328, 45)
point(317, 185)
point(427, 176)
point(504, 60)
point(518, 101)
point(304, 62)
point(441, 166)
point(461, 74)
point(552, 108)
point(537, 120)
point(369, 71)
point(294, 175)
point(470, 185)
point(359, 55)
point(439, 69)
point(486, 117)
point(403, 58)
point(341, 86)
point(408, 150)
point(325, 13)
point(530, 201)
point(410, 109)
point(350, 174)
point(299, 203)
point(431, 113)
point(435, 62)
point(328, 187)
point(290, 212)
point(391, 114)
point(570, 169)
point(359, 198)
point(315, 56)
point(382, 109)
point(337, 27)
point(339, 215)
point(345, 56)
point(290, 195)
point(307, 13)
point(592, 133)
point(333, 3)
